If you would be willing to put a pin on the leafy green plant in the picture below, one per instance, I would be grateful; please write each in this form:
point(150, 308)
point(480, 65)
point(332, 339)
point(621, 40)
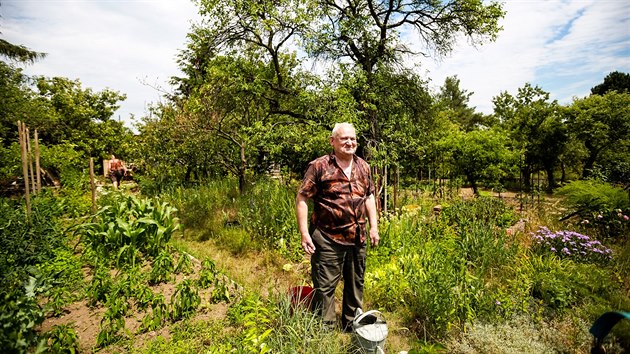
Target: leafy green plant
point(20, 314)
point(161, 268)
point(100, 286)
point(221, 290)
point(207, 274)
point(112, 326)
point(184, 264)
point(256, 320)
point(185, 300)
point(157, 317)
point(63, 339)
point(144, 296)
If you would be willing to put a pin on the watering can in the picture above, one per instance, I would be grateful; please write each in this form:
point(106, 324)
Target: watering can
point(369, 331)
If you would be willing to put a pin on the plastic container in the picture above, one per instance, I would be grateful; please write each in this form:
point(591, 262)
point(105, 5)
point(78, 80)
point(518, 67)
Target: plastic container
point(301, 296)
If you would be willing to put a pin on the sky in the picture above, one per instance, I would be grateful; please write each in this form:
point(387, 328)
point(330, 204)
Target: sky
point(563, 46)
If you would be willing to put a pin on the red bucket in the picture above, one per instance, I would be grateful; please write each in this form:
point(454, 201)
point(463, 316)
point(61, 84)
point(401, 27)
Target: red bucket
point(301, 296)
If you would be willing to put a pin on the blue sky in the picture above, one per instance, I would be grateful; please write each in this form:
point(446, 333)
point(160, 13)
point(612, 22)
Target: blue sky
point(564, 46)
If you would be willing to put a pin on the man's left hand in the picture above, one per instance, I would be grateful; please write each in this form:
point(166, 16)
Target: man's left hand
point(374, 237)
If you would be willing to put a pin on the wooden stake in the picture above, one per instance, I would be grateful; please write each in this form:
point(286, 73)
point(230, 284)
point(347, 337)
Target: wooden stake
point(22, 133)
point(385, 190)
point(93, 185)
point(30, 160)
point(37, 166)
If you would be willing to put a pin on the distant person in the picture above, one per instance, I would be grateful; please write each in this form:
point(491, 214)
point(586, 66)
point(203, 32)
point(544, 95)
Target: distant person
point(117, 171)
point(342, 190)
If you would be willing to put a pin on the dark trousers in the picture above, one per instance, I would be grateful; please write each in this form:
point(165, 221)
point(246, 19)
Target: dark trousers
point(329, 263)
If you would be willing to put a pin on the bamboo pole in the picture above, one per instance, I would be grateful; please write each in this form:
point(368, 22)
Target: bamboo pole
point(30, 160)
point(21, 133)
point(37, 166)
point(385, 190)
point(93, 185)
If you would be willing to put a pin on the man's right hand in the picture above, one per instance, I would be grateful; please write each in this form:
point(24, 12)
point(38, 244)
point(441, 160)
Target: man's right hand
point(307, 244)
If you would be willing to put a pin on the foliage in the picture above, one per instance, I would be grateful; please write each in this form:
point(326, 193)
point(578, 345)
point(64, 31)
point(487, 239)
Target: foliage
point(63, 276)
point(256, 320)
point(587, 197)
point(611, 225)
point(570, 245)
point(127, 226)
point(185, 300)
point(262, 217)
point(24, 243)
point(63, 339)
point(536, 130)
point(615, 81)
point(601, 124)
point(454, 100)
point(440, 270)
point(20, 314)
point(207, 274)
point(522, 335)
point(480, 155)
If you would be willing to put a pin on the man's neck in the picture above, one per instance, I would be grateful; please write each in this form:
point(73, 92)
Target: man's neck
point(344, 161)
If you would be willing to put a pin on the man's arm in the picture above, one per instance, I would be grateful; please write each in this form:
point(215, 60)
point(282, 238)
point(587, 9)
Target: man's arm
point(302, 218)
point(370, 204)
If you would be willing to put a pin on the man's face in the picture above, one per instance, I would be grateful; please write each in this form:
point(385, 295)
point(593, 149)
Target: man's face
point(344, 143)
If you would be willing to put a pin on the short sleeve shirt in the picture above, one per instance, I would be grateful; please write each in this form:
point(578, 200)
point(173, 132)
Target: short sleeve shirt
point(339, 210)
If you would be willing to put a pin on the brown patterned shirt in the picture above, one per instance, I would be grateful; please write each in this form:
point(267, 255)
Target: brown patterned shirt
point(339, 203)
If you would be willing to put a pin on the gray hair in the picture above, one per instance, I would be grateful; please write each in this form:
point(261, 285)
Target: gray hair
point(340, 126)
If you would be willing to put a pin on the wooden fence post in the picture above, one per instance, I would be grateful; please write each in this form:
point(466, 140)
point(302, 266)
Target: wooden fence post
point(37, 166)
point(93, 185)
point(30, 160)
point(22, 133)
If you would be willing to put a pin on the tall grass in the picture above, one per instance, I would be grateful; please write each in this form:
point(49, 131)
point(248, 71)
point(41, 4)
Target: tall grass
point(263, 217)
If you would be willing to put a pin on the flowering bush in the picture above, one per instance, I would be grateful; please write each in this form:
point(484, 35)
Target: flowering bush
point(611, 224)
point(570, 244)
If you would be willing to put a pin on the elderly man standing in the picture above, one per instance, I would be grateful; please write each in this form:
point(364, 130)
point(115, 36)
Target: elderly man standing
point(342, 190)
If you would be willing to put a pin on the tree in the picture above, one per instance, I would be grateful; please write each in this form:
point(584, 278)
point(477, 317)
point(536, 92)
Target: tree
point(616, 81)
point(535, 128)
point(601, 123)
point(369, 33)
point(80, 116)
point(19, 52)
point(480, 155)
point(454, 101)
point(260, 31)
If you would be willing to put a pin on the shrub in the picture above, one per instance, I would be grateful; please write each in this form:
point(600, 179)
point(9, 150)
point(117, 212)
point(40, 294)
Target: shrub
point(608, 224)
point(587, 197)
point(570, 245)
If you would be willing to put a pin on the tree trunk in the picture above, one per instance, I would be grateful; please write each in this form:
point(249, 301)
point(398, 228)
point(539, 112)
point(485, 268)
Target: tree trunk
point(527, 179)
point(241, 171)
point(551, 181)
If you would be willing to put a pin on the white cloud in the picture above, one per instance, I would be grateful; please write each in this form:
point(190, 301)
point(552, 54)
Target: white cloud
point(565, 47)
point(106, 44)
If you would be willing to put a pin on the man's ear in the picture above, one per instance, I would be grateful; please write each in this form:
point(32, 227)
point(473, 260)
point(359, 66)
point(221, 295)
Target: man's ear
point(331, 140)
